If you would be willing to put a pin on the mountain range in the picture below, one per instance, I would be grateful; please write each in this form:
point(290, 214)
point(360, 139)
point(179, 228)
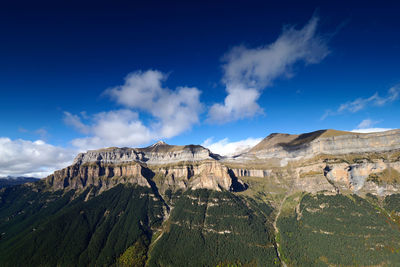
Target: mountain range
point(11, 180)
point(325, 198)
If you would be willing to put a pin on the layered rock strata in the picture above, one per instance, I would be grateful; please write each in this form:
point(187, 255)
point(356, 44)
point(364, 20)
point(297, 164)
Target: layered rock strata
point(159, 153)
point(104, 176)
point(329, 142)
point(160, 165)
point(322, 160)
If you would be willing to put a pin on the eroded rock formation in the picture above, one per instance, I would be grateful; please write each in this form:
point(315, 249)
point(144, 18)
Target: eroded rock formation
point(322, 160)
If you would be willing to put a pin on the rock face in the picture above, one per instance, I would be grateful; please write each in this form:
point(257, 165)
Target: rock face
point(241, 172)
point(381, 176)
point(326, 160)
point(159, 165)
point(208, 174)
point(159, 153)
point(323, 142)
point(322, 160)
point(104, 176)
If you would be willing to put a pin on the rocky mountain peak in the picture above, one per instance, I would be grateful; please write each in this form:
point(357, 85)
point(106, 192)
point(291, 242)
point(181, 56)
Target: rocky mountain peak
point(159, 143)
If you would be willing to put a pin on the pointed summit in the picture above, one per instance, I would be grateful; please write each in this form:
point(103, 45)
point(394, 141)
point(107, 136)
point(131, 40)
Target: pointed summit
point(159, 143)
point(160, 146)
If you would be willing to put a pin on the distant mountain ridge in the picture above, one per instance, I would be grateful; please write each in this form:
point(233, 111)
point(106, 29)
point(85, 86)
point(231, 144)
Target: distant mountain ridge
point(11, 181)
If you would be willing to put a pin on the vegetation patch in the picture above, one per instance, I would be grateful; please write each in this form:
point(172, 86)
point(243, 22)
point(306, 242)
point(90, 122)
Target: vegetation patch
point(209, 228)
point(336, 230)
point(310, 173)
point(387, 176)
point(64, 232)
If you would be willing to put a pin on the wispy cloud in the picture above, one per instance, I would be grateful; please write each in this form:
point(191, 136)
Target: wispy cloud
point(367, 123)
point(225, 148)
point(42, 132)
point(371, 130)
point(31, 158)
point(362, 103)
point(76, 122)
point(247, 71)
point(171, 113)
point(366, 126)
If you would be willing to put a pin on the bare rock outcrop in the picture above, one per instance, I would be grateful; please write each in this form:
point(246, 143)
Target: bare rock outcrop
point(104, 176)
point(331, 142)
point(322, 160)
point(240, 172)
point(208, 174)
point(380, 177)
point(158, 153)
point(160, 165)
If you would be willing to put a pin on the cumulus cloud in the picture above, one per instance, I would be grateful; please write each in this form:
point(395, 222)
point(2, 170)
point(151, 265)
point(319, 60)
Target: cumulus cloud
point(362, 103)
point(366, 126)
point(172, 112)
point(225, 148)
point(31, 158)
point(247, 71)
point(114, 128)
point(371, 130)
point(175, 111)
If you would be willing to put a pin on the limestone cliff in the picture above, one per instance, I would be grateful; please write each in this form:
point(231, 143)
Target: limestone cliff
point(102, 175)
point(330, 142)
point(159, 153)
point(323, 160)
point(208, 174)
point(160, 165)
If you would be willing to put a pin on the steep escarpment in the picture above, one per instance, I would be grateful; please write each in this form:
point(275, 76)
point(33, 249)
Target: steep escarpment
point(209, 174)
point(160, 165)
point(322, 160)
point(325, 160)
point(102, 175)
point(380, 175)
point(329, 142)
point(158, 153)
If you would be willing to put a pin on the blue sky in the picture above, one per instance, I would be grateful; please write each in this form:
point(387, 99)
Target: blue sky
point(77, 76)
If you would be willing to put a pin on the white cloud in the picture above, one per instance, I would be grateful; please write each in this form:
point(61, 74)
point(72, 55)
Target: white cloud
point(366, 126)
point(175, 111)
point(115, 128)
point(249, 70)
point(172, 112)
point(225, 148)
point(367, 123)
point(26, 158)
point(371, 130)
point(362, 103)
point(75, 121)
